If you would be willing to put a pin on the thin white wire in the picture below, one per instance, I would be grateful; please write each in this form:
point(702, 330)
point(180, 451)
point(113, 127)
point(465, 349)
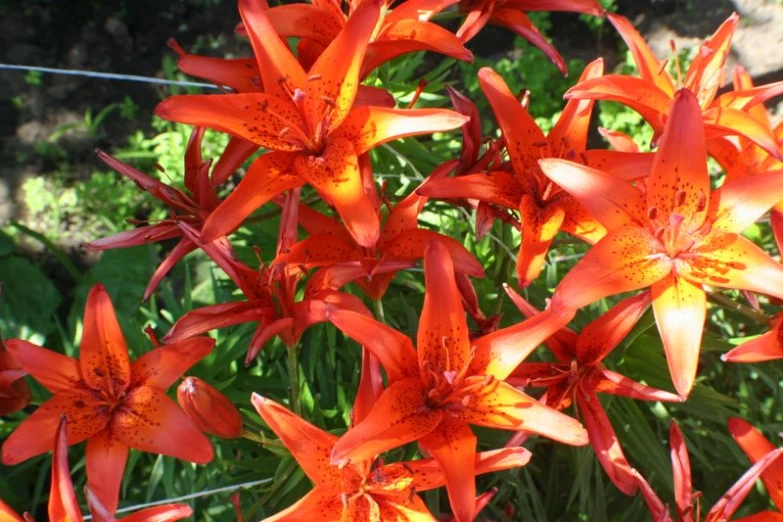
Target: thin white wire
point(106, 76)
point(191, 496)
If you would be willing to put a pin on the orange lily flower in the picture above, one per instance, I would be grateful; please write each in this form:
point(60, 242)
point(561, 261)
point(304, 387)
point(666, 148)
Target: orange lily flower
point(544, 208)
point(63, 506)
point(756, 447)
point(401, 241)
point(402, 30)
point(511, 15)
point(652, 93)
point(742, 157)
point(450, 382)
point(308, 123)
point(579, 375)
point(683, 494)
point(14, 392)
point(361, 491)
point(675, 239)
point(111, 403)
point(192, 208)
point(766, 347)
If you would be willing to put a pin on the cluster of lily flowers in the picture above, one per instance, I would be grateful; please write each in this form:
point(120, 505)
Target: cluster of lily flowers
point(657, 230)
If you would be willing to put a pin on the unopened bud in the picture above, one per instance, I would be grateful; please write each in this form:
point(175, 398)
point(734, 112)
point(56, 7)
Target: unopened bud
point(210, 410)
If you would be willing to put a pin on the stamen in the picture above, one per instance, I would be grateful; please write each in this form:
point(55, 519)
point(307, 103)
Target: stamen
point(419, 89)
point(328, 101)
point(681, 197)
point(299, 96)
point(673, 47)
point(547, 191)
point(313, 77)
point(702, 203)
point(652, 213)
point(344, 499)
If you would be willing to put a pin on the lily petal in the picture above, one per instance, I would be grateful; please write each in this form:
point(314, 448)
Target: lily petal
point(681, 469)
point(85, 415)
point(518, 22)
point(208, 318)
point(731, 500)
point(106, 459)
point(705, 73)
point(443, 343)
point(766, 347)
point(63, 506)
point(520, 130)
point(725, 120)
point(453, 445)
point(103, 355)
point(318, 505)
point(334, 77)
point(679, 182)
point(602, 335)
point(182, 248)
point(498, 187)
point(499, 353)
point(56, 372)
point(540, 225)
point(255, 117)
point(137, 236)
point(638, 94)
point(738, 204)
point(617, 384)
point(731, 261)
point(367, 127)
point(150, 421)
point(400, 416)
point(269, 175)
point(610, 200)
point(393, 349)
point(622, 261)
point(280, 70)
point(605, 443)
point(234, 155)
point(756, 446)
point(310, 446)
point(680, 309)
point(239, 74)
point(500, 405)
point(336, 176)
point(411, 245)
point(650, 68)
point(570, 131)
point(161, 367)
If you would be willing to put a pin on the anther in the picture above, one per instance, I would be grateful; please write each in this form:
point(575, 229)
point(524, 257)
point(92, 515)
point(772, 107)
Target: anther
point(702, 203)
point(681, 196)
point(313, 77)
point(328, 101)
point(652, 213)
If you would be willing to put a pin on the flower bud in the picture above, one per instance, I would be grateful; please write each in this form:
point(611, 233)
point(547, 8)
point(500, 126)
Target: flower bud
point(210, 410)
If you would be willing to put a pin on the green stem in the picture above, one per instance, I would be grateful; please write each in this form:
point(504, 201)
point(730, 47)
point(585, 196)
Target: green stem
point(740, 308)
point(261, 439)
point(380, 315)
point(61, 256)
point(293, 378)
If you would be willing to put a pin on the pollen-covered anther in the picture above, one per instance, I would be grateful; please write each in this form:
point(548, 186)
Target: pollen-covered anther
point(701, 205)
point(652, 213)
point(450, 376)
point(328, 101)
point(298, 96)
point(681, 197)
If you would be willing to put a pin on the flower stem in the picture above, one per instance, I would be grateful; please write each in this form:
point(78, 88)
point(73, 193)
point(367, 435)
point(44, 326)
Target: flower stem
point(293, 378)
point(379, 313)
point(261, 439)
point(747, 311)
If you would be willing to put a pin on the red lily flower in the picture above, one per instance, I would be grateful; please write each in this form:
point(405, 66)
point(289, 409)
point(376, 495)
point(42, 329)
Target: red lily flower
point(766, 347)
point(63, 506)
point(329, 245)
point(544, 208)
point(192, 208)
point(756, 447)
point(675, 239)
point(450, 382)
point(683, 494)
point(270, 300)
point(361, 491)
point(579, 375)
point(652, 93)
point(402, 30)
point(511, 15)
point(14, 392)
point(307, 121)
point(111, 403)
